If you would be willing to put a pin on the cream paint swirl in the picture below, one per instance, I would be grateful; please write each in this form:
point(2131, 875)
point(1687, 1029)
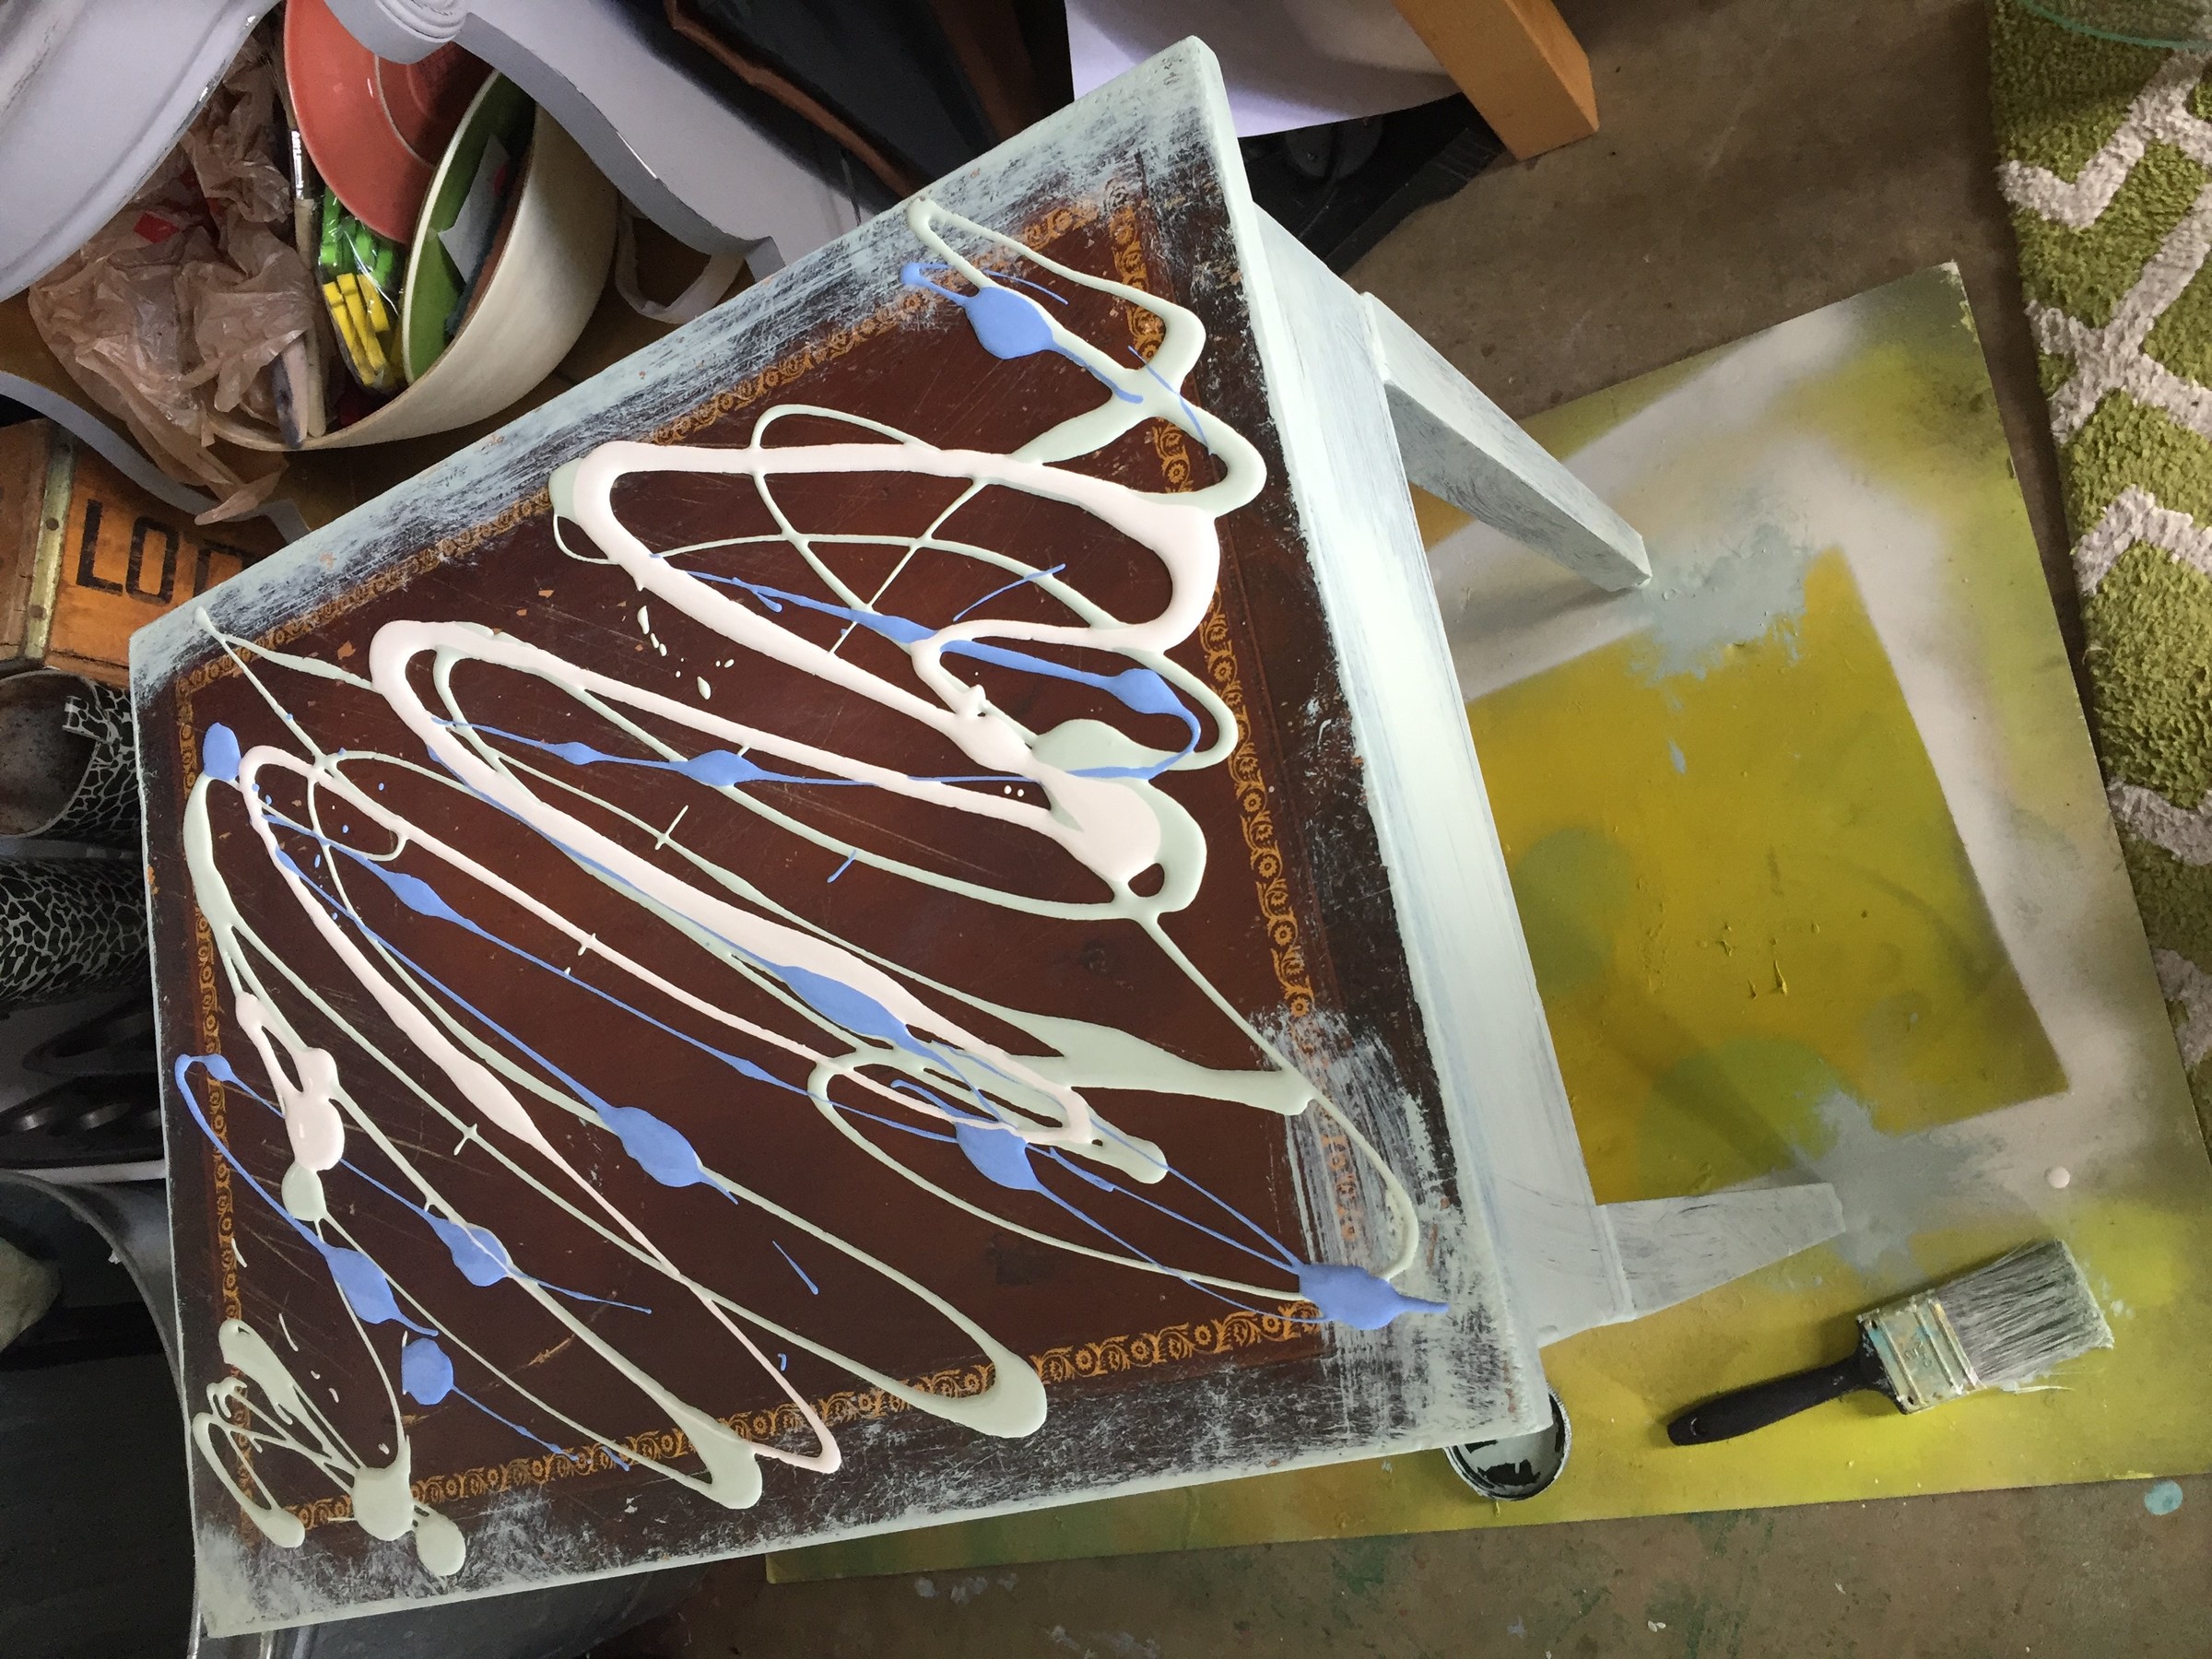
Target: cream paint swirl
point(907, 1044)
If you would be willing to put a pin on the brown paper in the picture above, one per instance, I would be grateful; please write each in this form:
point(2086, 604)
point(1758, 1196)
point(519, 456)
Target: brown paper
point(172, 315)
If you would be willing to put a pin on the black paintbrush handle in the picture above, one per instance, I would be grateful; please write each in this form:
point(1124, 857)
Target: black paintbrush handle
point(1764, 1403)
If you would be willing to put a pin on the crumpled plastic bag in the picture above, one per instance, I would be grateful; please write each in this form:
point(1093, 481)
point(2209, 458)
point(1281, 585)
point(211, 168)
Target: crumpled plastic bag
point(172, 315)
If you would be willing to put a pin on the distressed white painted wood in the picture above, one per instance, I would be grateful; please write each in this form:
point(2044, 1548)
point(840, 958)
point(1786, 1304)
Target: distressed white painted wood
point(1469, 962)
point(1458, 444)
point(1507, 1208)
point(1365, 405)
point(1468, 965)
point(1673, 1249)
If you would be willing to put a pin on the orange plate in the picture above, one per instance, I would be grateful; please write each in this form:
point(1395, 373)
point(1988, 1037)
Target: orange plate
point(375, 128)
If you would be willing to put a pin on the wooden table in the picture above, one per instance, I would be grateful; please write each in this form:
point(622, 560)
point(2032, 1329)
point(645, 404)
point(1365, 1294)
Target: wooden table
point(884, 912)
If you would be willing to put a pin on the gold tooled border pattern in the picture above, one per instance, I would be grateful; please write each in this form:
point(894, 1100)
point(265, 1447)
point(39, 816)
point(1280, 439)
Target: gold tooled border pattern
point(1261, 850)
point(1111, 1357)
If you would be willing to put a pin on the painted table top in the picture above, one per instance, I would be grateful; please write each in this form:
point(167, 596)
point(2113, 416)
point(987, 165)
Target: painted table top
point(793, 943)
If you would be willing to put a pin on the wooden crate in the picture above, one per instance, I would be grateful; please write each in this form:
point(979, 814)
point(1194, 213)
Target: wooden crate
point(87, 558)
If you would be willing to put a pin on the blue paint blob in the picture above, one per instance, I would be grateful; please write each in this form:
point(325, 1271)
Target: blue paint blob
point(661, 1152)
point(576, 754)
point(363, 1285)
point(476, 1250)
point(903, 629)
point(1007, 324)
point(426, 1371)
point(1145, 691)
point(216, 1066)
point(1002, 1155)
point(737, 1063)
point(718, 769)
point(418, 895)
point(1353, 1296)
point(2164, 1497)
point(856, 1010)
point(218, 753)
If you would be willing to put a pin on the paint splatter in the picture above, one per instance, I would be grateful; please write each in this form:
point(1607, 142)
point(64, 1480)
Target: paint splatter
point(2163, 1497)
point(1708, 600)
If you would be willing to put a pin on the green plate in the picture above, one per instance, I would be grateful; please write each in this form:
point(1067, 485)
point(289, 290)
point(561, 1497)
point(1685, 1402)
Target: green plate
point(500, 110)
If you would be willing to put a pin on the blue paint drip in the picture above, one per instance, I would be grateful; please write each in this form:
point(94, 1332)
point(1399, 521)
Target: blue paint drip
point(1002, 1155)
point(217, 1065)
point(658, 1148)
point(363, 1285)
point(1189, 414)
point(359, 1280)
point(1353, 1296)
point(812, 1288)
point(892, 1123)
point(1007, 324)
point(1140, 690)
point(533, 1439)
point(477, 1252)
point(719, 769)
point(2163, 1497)
point(845, 1006)
point(655, 1146)
point(995, 592)
point(218, 753)
point(417, 894)
point(742, 1066)
point(426, 1371)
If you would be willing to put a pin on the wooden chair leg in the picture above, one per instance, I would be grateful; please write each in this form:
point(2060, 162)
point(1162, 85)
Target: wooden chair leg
point(1458, 444)
point(1517, 61)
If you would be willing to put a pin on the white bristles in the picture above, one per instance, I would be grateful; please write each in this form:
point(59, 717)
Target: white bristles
point(2024, 1313)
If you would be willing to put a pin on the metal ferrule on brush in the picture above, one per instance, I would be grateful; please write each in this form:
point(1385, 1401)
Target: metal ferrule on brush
point(1921, 1354)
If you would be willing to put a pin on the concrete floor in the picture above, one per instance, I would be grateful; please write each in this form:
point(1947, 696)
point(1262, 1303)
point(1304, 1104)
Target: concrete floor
point(1758, 160)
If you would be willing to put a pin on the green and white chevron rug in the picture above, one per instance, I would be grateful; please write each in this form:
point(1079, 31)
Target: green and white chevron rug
point(2106, 159)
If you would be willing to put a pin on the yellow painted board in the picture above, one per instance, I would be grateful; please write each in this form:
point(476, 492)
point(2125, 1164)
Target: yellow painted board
point(1816, 874)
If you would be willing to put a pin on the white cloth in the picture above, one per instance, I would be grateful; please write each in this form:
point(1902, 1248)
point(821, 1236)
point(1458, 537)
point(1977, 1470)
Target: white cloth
point(1287, 62)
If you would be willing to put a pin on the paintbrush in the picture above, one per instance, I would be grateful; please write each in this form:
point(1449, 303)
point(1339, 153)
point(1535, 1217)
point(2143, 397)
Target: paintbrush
point(2004, 1323)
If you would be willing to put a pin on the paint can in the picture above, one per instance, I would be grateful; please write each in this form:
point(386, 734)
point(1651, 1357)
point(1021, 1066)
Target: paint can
point(1518, 1466)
